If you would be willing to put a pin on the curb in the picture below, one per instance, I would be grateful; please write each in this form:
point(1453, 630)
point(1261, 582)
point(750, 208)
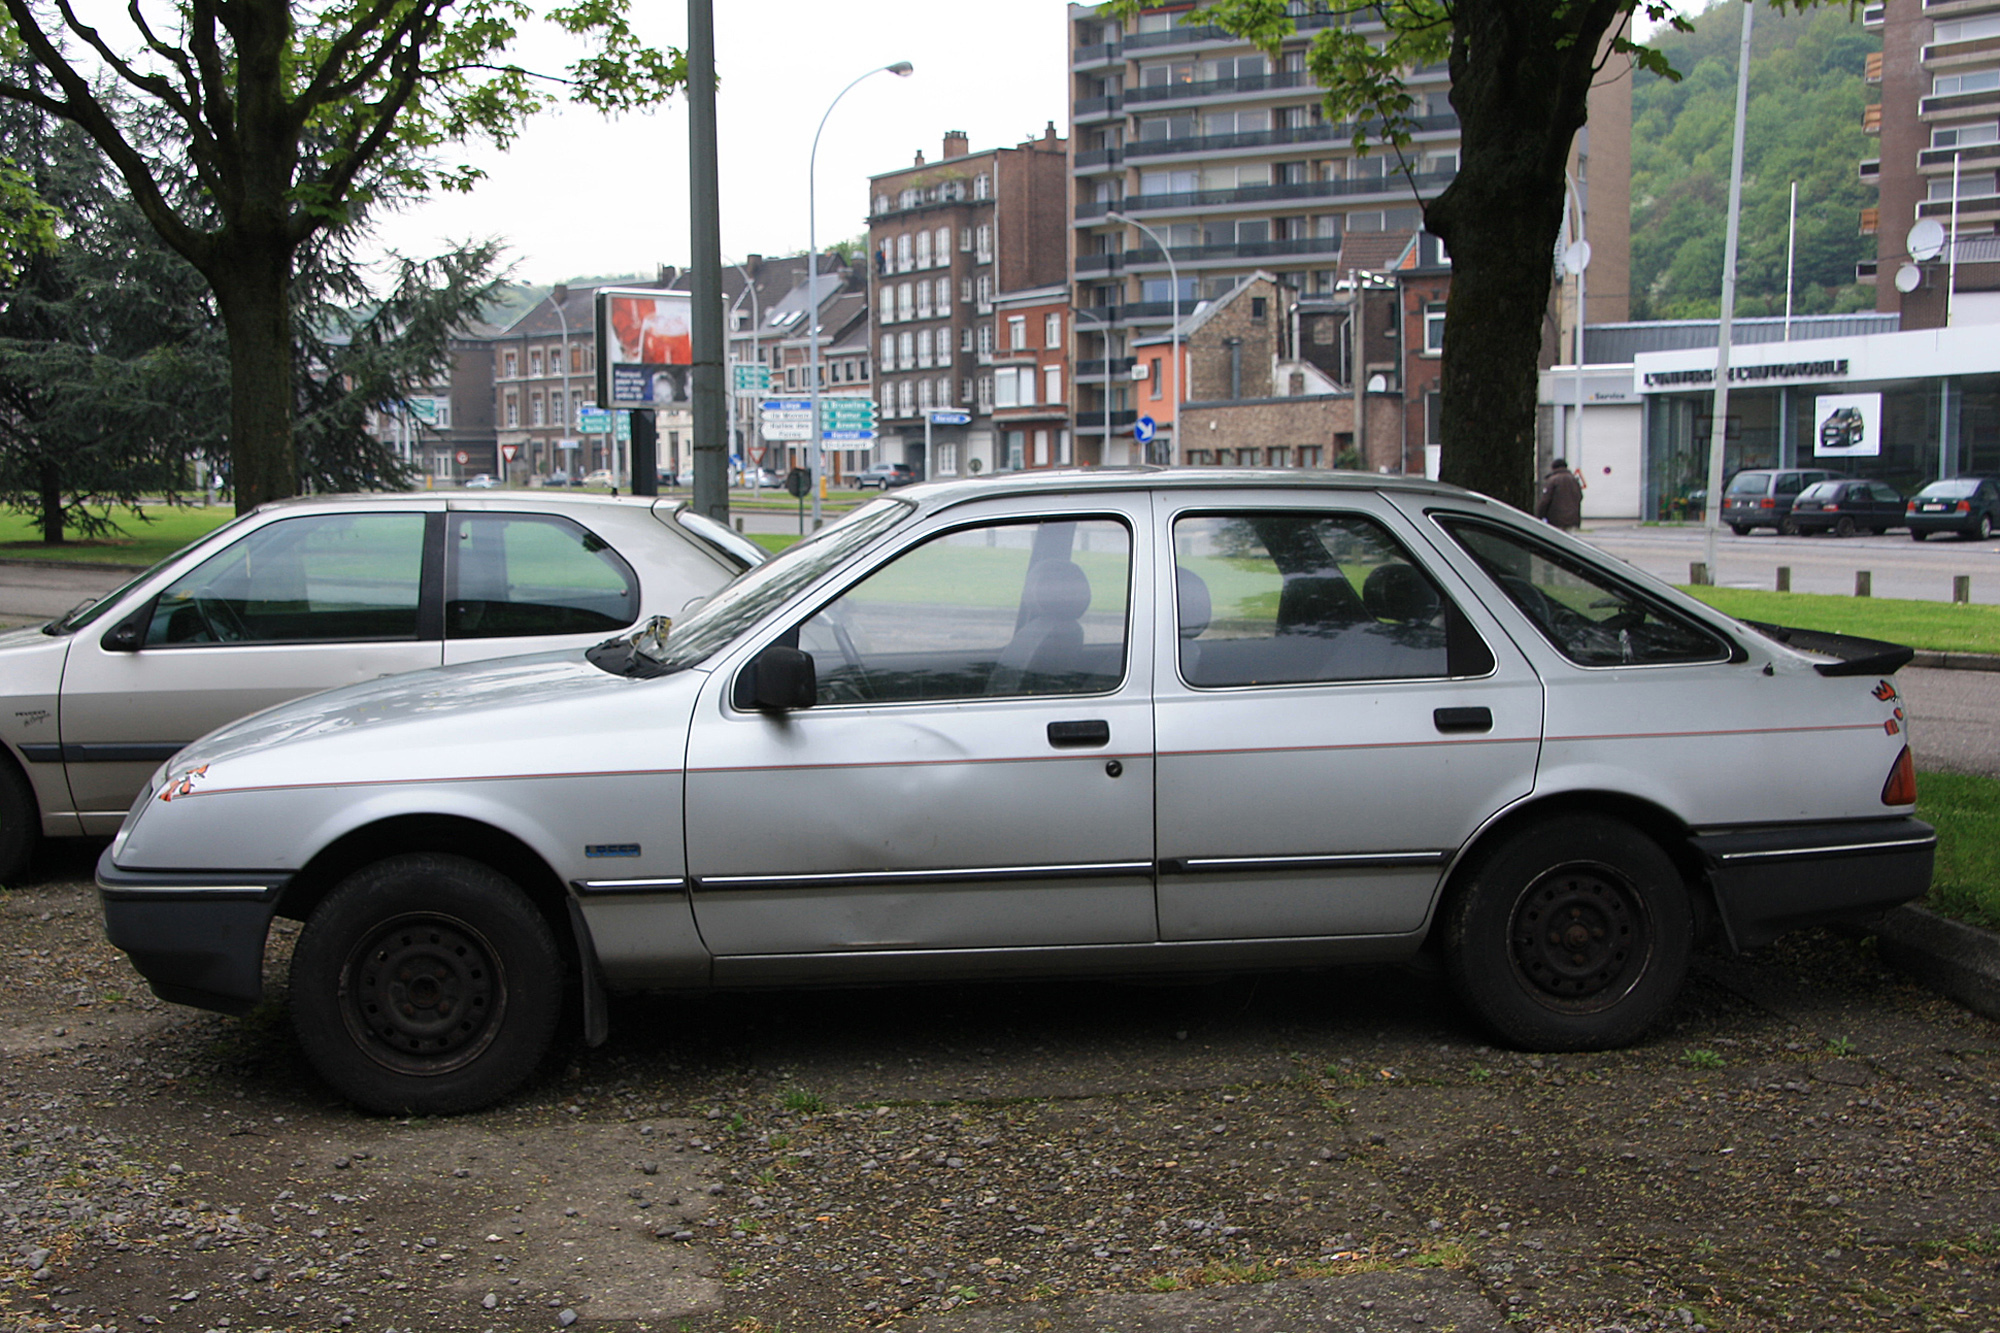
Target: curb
point(1956, 661)
point(1957, 960)
point(75, 564)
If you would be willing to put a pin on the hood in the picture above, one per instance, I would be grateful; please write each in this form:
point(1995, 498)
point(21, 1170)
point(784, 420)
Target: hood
point(519, 716)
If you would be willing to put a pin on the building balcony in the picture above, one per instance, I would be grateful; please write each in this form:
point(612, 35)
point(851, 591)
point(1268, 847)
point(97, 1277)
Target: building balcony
point(1104, 263)
point(1948, 8)
point(1871, 171)
point(1093, 420)
point(1979, 50)
point(1208, 145)
point(1094, 369)
point(1095, 108)
point(1937, 161)
point(1208, 88)
point(1181, 34)
point(1031, 412)
point(1095, 54)
point(1428, 184)
point(1951, 104)
point(1092, 158)
point(1971, 208)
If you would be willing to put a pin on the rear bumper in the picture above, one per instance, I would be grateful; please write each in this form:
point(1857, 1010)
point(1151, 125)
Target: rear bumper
point(197, 939)
point(1773, 878)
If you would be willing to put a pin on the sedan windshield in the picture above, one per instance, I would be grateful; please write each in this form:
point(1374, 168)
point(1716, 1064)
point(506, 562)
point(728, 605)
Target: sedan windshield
point(717, 622)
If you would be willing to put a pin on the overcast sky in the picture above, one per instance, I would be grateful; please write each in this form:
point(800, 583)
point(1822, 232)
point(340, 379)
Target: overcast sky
point(579, 195)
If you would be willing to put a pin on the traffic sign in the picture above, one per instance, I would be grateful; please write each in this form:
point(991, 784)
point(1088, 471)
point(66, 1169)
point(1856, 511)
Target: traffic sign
point(847, 436)
point(847, 411)
point(1142, 430)
point(786, 405)
point(593, 420)
point(951, 418)
point(775, 429)
point(752, 377)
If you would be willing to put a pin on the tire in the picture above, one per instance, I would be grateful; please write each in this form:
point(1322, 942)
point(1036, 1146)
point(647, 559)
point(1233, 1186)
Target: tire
point(473, 970)
point(1609, 975)
point(1918, 534)
point(1788, 526)
point(1984, 532)
point(20, 823)
point(1843, 526)
point(1740, 529)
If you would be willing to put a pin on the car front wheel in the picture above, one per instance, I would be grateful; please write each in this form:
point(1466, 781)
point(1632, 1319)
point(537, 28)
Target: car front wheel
point(1571, 935)
point(425, 984)
point(20, 823)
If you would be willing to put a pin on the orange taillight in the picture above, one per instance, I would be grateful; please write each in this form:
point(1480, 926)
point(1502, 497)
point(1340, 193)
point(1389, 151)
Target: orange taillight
point(1901, 788)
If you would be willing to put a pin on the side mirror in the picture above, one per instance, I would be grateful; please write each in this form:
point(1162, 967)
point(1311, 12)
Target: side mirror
point(777, 680)
point(128, 634)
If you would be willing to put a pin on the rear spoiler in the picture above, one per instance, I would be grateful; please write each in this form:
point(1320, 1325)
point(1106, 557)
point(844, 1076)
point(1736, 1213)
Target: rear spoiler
point(1857, 656)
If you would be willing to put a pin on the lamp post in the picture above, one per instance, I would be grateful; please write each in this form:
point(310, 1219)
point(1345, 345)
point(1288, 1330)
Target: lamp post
point(564, 319)
point(901, 69)
point(749, 290)
point(1173, 277)
point(1104, 322)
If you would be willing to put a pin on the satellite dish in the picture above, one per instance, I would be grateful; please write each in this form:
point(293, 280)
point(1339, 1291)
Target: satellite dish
point(1576, 257)
point(1908, 278)
point(1926, 239)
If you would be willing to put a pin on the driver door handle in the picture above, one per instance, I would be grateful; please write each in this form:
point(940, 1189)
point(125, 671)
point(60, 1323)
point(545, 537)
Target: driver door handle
point(1462, 719)
point(1070, 735)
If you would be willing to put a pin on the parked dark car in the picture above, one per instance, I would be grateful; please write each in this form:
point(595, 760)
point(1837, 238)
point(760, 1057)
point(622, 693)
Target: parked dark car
point(1846, 505)
point(884, 476)
point(1762, 497)
point(1968, 506)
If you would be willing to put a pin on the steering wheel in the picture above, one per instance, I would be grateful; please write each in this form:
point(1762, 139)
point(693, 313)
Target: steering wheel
point(850, 685)
point(219, 618)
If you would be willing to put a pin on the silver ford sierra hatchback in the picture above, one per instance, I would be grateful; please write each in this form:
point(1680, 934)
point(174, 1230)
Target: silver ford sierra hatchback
point(1144, 722)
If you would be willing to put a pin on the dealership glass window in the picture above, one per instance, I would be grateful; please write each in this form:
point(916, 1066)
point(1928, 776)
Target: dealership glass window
point(310, 579)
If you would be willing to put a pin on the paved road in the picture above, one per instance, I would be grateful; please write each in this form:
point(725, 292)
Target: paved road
point(1901, 567)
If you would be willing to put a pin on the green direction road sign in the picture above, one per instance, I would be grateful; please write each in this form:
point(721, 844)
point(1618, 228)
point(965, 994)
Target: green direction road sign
point(847, 413)
point(754, 377)
point(593, 420)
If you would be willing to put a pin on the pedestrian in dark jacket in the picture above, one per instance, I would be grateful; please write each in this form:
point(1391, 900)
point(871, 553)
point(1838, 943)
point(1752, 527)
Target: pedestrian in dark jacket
point(1561, 502)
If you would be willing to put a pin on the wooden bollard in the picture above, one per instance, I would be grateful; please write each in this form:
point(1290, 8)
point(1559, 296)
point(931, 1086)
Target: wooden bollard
point(1784, 578)
point(1961, 588)
point(1864, 583)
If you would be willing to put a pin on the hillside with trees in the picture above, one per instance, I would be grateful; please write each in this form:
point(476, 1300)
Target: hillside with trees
point(1804, 125)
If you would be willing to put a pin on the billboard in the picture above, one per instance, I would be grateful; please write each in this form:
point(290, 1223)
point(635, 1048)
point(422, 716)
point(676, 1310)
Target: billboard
point(1847, 425)
point(644, 347)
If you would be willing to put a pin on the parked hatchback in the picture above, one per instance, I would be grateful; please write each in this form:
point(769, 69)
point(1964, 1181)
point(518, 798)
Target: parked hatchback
point(1763, 497)
point(1968, 506)
point(304, 595)
point(1847, 505)
point(1056, 723)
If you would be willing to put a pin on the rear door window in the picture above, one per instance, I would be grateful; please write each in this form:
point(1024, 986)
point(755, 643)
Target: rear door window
point(508, 575)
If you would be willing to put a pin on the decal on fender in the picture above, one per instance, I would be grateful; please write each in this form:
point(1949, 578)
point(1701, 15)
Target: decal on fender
point(184, 784)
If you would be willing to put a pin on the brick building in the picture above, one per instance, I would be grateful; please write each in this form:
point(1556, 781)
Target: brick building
point(946, 237)
point(1031, 378)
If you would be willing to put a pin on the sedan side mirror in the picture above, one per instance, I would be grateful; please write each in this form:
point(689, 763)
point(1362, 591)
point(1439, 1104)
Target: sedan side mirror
point(127, 635)
point(777, 680)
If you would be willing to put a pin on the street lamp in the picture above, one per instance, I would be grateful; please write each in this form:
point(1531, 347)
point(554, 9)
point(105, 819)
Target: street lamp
point(901, 69)
point(564, 427)
point(749, 290)
point(1173, 277)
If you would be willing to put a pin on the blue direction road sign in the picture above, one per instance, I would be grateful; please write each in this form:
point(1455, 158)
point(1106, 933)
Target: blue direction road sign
point(1142, 430)
point(847, 436)
point(951, 418)
point(786, 405)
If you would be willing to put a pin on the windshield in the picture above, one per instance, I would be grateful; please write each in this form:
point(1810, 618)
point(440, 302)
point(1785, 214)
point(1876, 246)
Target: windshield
point(732, 545)
point(717, 621)
point(92, 609)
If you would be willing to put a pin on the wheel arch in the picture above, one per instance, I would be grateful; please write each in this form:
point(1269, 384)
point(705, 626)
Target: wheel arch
point(452, 835)
point(1648, 817)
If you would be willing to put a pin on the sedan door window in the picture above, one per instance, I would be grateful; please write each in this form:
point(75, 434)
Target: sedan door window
point(1016, 609)
point(515, 574)
point(319, 578)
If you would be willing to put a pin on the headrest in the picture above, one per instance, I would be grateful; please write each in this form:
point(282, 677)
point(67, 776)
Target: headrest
point(1399, 593)
point(1191, 595)
point(1057, 590)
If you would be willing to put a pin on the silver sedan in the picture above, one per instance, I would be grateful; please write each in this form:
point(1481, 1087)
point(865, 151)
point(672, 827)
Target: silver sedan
point(304, 595)
point(1106, 722)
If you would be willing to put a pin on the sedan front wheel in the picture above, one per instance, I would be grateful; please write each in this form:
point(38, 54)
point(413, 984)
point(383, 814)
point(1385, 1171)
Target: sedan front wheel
point(1572, 935)
point(425, 984)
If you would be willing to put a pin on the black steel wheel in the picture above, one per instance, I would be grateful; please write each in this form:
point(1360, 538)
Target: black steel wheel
point(1844, 526)
point(1788, 526)
point(20, 822)
point(1572, 934)
point(425, 984)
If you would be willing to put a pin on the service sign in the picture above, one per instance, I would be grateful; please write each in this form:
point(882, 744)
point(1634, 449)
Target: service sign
point(644, 347)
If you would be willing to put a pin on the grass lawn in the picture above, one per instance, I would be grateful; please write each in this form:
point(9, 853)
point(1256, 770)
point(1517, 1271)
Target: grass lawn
point(1966, 811)
point(143, 541)
point(1937, 626)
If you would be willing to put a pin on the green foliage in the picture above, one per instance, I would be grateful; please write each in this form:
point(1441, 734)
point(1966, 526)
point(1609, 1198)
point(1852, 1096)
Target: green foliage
point(1803, 124)
point(1966, 812)
point(1937, 626)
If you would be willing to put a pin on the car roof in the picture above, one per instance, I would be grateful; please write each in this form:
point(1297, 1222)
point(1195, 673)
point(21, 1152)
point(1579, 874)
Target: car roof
point(939, 494)
point(536, 499)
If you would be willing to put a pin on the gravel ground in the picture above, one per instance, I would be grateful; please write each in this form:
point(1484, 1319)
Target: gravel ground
point(1809, 1143)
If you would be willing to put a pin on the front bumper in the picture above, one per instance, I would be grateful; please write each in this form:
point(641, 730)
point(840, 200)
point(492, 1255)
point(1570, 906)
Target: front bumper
point(1774, 878)
point(197, 938)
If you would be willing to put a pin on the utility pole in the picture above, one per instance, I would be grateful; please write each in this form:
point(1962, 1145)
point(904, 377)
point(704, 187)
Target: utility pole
point(711, 449)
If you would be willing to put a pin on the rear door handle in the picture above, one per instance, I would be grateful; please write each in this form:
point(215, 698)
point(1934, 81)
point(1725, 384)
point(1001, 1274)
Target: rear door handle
point(1070, 735)
point(1463, 719)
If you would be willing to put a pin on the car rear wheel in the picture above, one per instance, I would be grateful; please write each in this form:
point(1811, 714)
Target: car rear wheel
point(1789, 526)
point(1740, 529)
point(1571, 935)
point(1843, 526)
point(1985, 531)
point(1918, 534)
point(425, 984)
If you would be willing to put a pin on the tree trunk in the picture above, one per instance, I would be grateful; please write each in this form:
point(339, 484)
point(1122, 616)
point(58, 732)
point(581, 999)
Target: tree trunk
point(50, 488)
point(252, 285)
point(1520, 81)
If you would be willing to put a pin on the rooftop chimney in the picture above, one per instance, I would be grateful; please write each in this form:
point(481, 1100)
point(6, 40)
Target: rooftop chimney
point(920, 157)
point(560, 293)
point(956, 144)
